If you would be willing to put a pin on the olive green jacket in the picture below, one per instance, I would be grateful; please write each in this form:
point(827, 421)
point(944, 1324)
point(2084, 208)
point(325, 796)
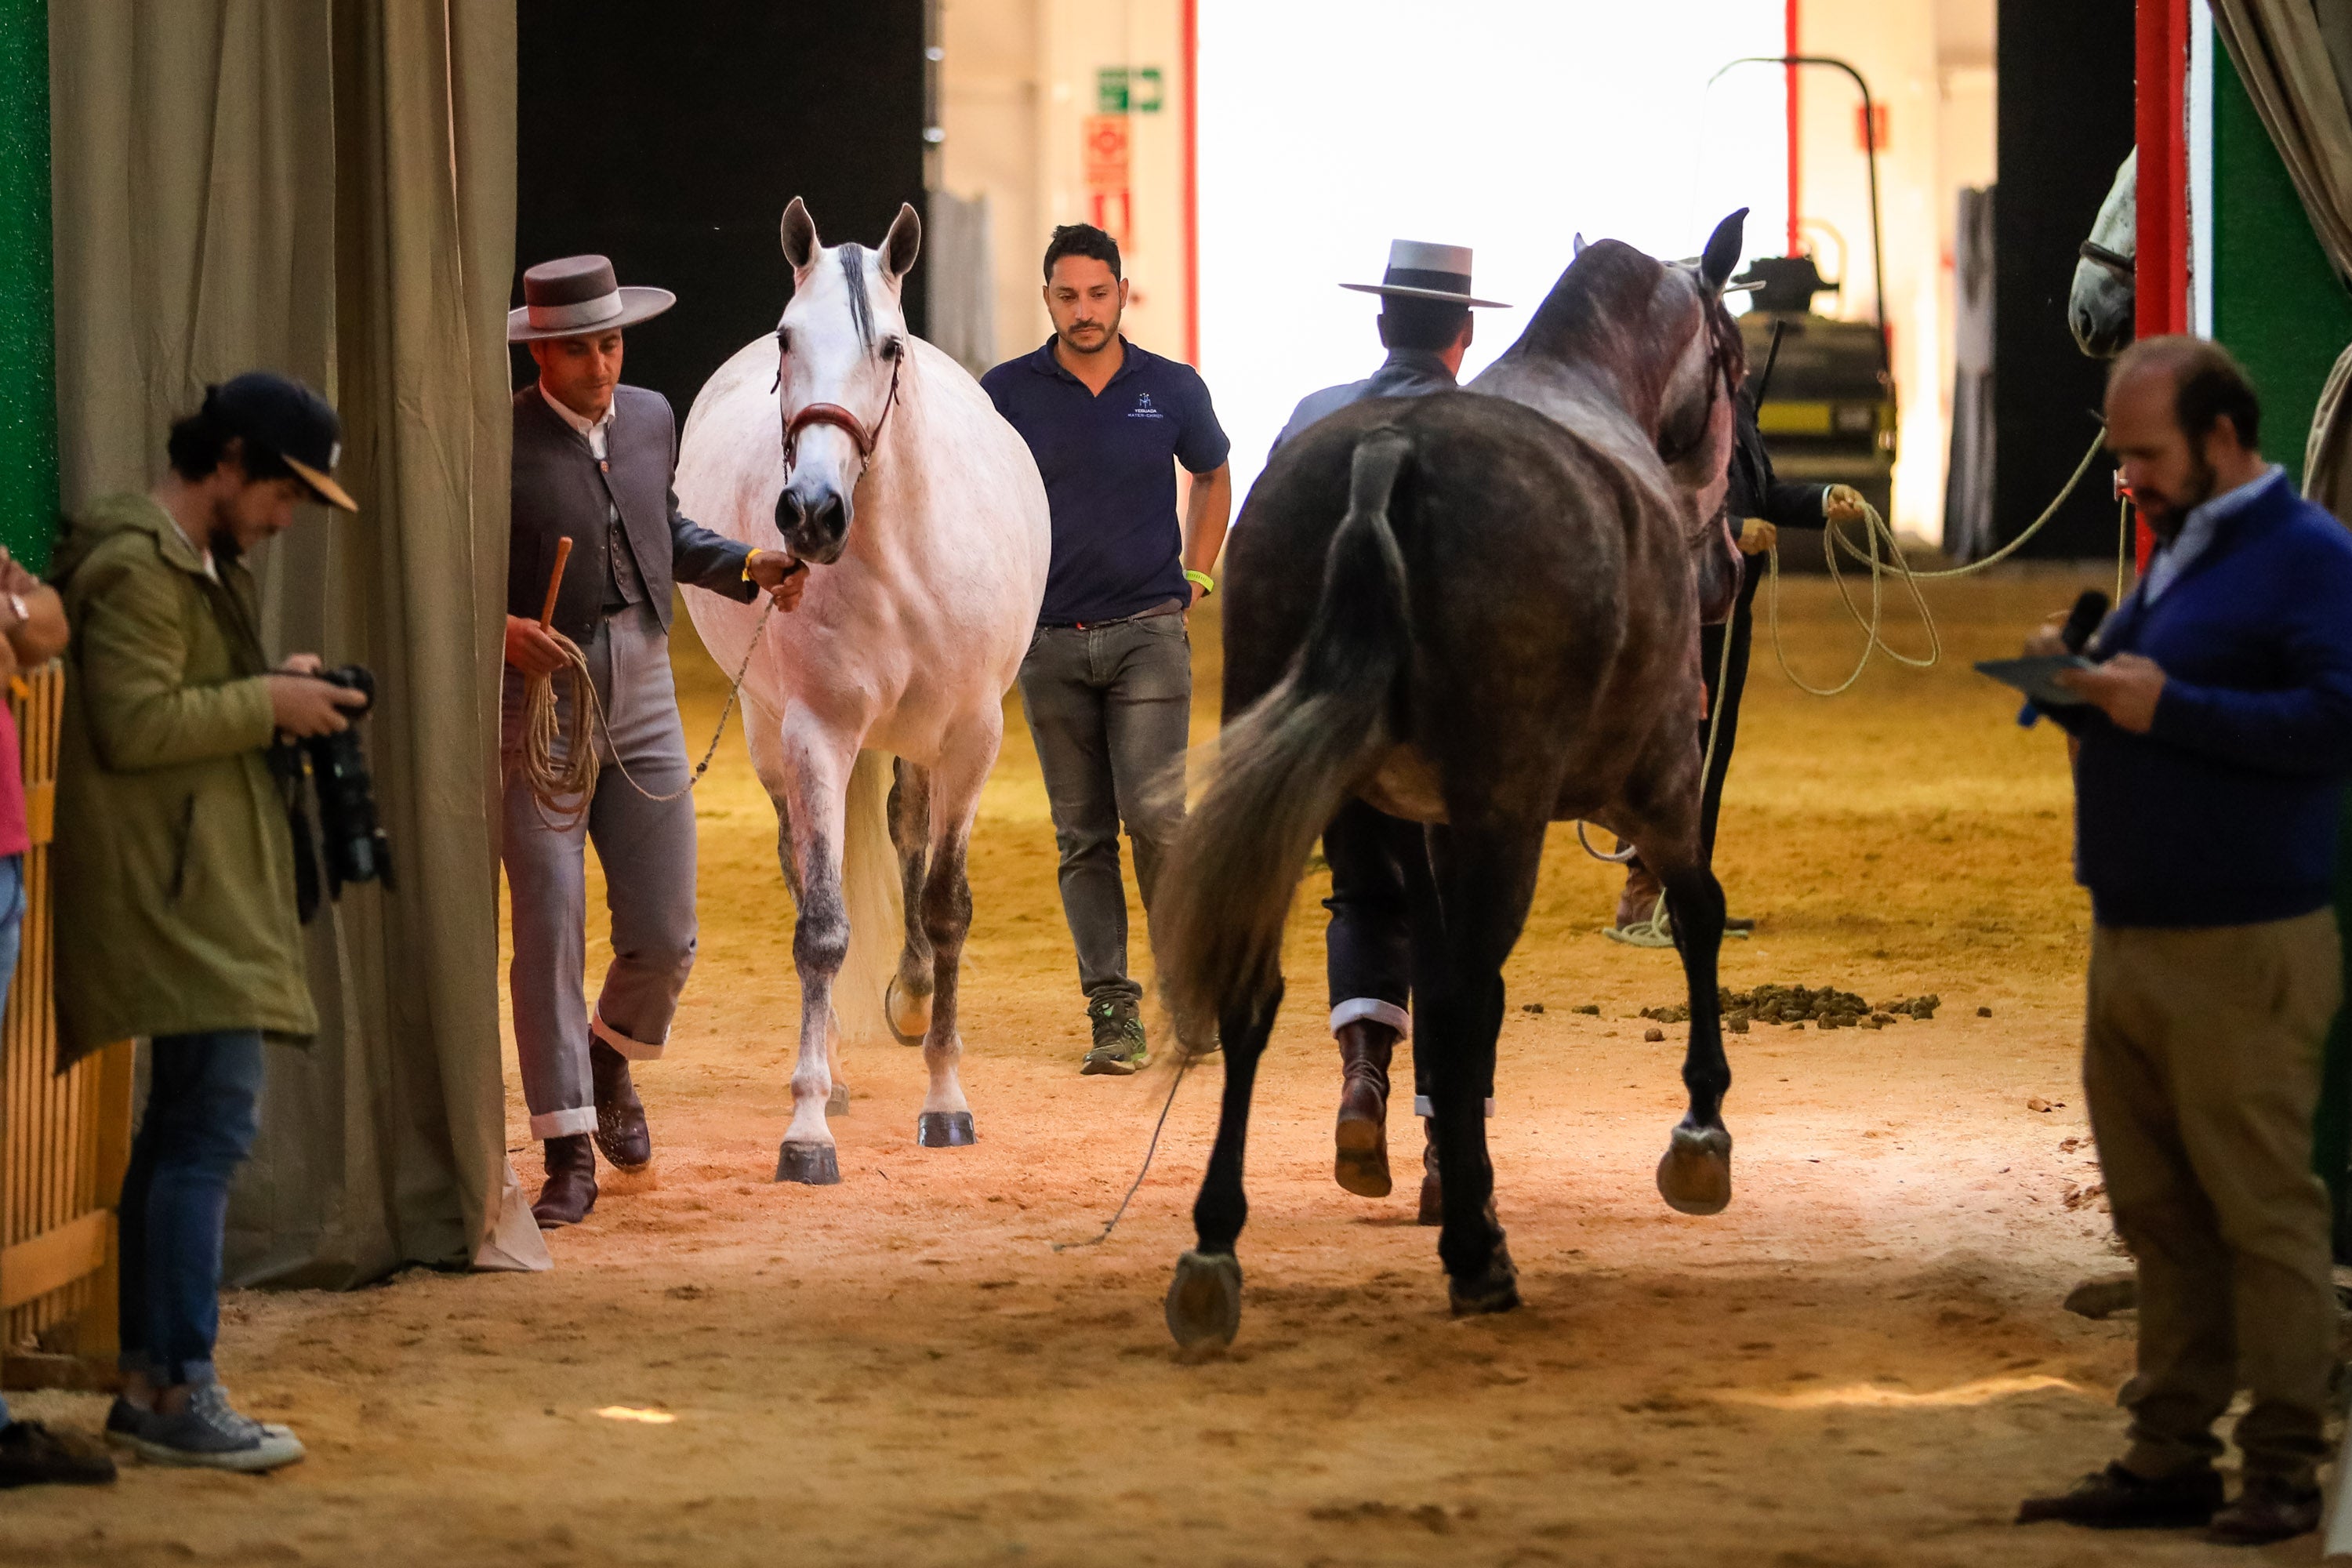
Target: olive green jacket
point(174, 866)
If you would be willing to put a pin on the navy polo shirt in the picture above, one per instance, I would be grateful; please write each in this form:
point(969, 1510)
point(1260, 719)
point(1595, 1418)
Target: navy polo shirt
point(1110, 467)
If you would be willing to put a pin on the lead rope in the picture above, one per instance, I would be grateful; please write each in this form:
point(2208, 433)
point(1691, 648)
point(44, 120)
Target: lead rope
point(1184, 1066)
point(561, 775)
point(1656, 931)
point(1875, 530)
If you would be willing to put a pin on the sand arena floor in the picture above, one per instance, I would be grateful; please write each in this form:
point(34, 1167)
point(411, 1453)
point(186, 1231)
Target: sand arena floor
point(1862, 1363)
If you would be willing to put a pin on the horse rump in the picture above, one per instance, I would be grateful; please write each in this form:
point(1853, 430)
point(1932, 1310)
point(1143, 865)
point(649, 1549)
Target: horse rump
point(1282, 767)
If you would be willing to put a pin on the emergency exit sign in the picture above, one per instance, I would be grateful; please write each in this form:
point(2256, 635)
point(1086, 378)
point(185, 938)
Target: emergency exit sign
point(1130, 90)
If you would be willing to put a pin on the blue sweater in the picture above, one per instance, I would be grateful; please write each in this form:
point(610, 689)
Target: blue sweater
point(2224, 813)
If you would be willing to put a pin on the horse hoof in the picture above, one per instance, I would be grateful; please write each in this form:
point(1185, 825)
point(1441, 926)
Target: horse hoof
point(944, 1129)
point(837, 1103)
point(1695, 1172)
point(810, 1165)
point(1204, 1299)
point(909, 1017)
point(1496, 1289)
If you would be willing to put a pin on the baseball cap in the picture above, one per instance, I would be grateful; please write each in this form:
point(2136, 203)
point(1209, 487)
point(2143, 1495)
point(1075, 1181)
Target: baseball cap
point(287, 418)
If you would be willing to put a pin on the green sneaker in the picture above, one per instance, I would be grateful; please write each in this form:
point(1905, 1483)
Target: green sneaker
point(1119, 1047)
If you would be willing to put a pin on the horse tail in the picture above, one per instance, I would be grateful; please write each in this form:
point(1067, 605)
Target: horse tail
point(870, 896)
point(1284, 766)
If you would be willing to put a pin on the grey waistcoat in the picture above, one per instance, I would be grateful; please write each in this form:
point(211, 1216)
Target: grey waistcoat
point(558, 493)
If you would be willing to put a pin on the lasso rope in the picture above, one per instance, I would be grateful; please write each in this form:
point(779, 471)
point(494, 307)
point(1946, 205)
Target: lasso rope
point(1875, 530)
point(1655, 931)
point(561, 775)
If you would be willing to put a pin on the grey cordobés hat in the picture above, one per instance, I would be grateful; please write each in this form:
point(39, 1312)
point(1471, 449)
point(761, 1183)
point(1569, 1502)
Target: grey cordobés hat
point(1420, 270)
point(578, 296)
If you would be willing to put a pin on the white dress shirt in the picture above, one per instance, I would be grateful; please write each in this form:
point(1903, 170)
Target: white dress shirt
point(594, 429)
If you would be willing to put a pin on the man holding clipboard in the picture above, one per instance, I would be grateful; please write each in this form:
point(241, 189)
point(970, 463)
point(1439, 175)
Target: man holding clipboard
point(2213, 735)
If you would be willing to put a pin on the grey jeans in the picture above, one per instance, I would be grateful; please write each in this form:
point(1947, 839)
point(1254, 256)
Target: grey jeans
point(1110, 709)
point(646, 849)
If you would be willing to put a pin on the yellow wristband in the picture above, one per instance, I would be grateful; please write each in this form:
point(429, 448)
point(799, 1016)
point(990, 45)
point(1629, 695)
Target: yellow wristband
point(747, 564)
point(1208, 584)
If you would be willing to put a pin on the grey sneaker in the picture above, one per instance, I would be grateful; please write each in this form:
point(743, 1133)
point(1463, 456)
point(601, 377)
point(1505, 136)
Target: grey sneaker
point(209, 1433)
point(1119, 1047)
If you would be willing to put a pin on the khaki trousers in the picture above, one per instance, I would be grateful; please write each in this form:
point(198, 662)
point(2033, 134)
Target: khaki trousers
point(2200, 1065)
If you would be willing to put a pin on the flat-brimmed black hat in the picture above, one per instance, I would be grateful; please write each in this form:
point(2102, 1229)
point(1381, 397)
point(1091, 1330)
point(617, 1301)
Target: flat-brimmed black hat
point(286, 418)
point(577, 296)
point(1420, 270)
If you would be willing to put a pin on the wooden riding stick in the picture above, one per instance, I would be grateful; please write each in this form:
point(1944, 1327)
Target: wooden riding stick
point(554, 581)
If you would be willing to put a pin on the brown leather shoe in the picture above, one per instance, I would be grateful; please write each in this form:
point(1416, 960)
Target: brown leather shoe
point(571, 1189)
point(1433, 1195)
point(32, 1455)
point(2119, 1499)
point(1638, 901)
point(1360, 1165)
point(2266, 1511)
point(621, 1131)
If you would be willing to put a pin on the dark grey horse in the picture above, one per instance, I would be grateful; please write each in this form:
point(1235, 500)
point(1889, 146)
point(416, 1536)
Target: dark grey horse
point(1480, 613)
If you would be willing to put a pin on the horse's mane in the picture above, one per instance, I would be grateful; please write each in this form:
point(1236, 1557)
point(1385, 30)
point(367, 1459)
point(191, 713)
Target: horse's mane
point(1598, 307)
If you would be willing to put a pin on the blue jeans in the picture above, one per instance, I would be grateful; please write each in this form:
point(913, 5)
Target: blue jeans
point(12, 937)
point(202, 1112)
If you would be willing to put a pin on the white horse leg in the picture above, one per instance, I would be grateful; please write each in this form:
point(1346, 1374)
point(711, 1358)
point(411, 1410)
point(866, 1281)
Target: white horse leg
point(764, 732)
point(963, 765)
point(817, 772)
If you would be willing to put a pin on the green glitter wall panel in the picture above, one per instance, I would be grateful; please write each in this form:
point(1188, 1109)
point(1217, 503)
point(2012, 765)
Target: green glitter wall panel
point(29, 403)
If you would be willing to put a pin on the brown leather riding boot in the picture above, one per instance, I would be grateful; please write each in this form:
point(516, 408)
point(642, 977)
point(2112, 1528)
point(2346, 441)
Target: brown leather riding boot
point(1433, 1195)
point(1638, 901)
point(1361, 1163)
point(621, 1130)
point(571, 1189)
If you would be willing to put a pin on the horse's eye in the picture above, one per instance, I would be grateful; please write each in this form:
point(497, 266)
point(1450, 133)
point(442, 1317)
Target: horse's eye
point(784, 340)
point(890, 348)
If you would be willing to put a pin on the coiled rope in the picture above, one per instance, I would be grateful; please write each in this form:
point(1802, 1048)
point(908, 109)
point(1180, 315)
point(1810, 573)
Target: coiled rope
point(1655, 931)
point(562, 775)
point(1875, 532)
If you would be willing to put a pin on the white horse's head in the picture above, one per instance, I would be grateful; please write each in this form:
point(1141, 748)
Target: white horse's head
point(2100, 308)
point(842, 348)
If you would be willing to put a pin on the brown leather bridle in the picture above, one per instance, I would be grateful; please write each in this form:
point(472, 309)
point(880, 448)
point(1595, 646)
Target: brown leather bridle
point(863, 437)
point(2113, 260)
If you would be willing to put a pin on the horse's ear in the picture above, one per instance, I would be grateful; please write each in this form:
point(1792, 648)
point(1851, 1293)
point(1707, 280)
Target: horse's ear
point(1576, 246)
point(1722, 254)
point(800, 236)
point(901, 244)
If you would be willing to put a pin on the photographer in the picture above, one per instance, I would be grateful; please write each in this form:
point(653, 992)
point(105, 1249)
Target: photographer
point(175, 879)
point(2214, 737)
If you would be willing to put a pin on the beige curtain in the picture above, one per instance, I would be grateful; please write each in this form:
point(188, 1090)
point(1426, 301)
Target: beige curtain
point(2296, 58)
point(326, 187)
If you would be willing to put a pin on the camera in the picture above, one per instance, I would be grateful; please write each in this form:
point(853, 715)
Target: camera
point(356, 849)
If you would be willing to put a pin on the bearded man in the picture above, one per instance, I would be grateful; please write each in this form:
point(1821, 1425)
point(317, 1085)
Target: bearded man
point(2213, 741)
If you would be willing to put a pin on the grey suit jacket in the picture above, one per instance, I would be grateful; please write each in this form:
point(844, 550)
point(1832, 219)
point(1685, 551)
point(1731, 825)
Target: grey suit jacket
point(560, 492)
point(1407, 373)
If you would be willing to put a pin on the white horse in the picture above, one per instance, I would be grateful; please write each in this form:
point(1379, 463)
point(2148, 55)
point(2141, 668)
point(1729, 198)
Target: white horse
point(875, 459)
point(2100, 307)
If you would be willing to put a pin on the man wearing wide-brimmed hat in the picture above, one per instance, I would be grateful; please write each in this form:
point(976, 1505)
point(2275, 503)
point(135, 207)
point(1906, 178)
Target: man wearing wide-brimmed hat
point(594, 463)
point(1425, 325)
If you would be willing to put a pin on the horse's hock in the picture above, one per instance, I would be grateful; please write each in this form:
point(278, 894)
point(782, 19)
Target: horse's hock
point(65, 1137)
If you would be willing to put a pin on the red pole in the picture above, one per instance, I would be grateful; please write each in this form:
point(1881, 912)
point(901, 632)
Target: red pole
point(1191, 192)
point(1795, 140)
point(2161, 126)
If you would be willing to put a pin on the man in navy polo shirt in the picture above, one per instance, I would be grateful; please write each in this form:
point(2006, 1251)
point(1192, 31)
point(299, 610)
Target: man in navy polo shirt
point(1108, 682)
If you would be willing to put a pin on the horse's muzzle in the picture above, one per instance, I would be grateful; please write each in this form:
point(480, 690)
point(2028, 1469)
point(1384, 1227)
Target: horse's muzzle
point(815, 523)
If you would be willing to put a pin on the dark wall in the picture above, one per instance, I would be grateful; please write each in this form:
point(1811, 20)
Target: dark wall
point(669, 137)
point(2065, 121)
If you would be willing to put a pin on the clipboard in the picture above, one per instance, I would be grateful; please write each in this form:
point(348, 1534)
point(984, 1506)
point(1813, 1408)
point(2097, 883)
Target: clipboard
point(2033, 676)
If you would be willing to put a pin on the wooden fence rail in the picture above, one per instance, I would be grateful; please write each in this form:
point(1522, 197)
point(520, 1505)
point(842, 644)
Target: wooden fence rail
point(65, 1138)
